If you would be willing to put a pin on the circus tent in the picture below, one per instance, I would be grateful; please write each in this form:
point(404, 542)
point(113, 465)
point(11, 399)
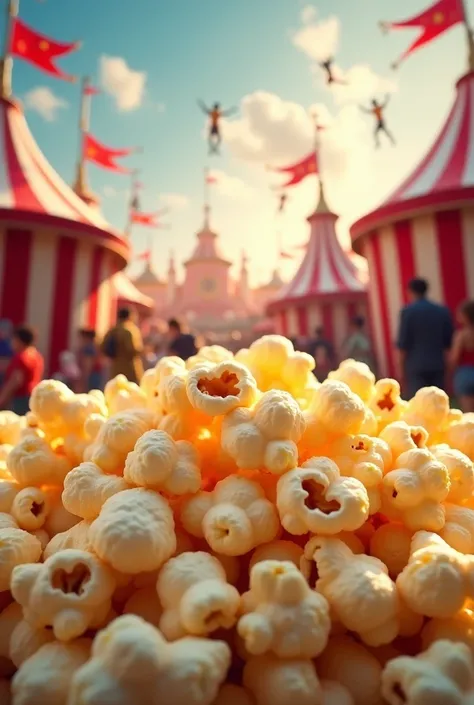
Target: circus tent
point(327, 290)
point(57, 255)
point(128, 294)
point(425, 228)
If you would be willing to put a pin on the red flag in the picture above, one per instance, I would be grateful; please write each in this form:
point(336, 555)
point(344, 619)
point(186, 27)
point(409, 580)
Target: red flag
point(91, 90)
point(285, 255)
point(432, 22)
point(299, 171)
point(144, 256)
point(282, 202)
point(210, 179)
point(39, 50)
point(103, 156)
point(148, 219)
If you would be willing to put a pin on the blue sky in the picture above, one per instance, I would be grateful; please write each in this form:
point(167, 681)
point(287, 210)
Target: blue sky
point(230, 50)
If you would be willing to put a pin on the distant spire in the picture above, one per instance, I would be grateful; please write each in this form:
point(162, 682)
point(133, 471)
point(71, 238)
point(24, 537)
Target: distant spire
point(171, 266)
point(207, 217)
point(6, 60)
point(322, 205)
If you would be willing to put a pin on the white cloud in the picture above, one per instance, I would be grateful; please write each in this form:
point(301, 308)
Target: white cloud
point(231, 186)
point(124, 84)
point(177, 201)
point(279, 132)
point(43, 101)
point(319, 41)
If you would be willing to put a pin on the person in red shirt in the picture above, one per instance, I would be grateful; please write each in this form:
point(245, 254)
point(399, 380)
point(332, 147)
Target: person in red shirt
point(23, 373)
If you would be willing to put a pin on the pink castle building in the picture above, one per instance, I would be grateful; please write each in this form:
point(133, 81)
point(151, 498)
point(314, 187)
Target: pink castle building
point(209, 299)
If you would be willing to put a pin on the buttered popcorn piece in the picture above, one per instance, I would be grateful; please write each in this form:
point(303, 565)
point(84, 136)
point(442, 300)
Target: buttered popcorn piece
point(233, 695)
point(444, 675)
point(358, 589)
point(386, 402)
point(87, 487)
point(234, 518)
point(195, 596)
point(70, 592)
point(16, 547)
point(429, 408)
point(461, 473)
point(282, 614)
point(266, 436)
point(11, 426)
point(415, 489)
point(458, 530)
point(160, 463)
point(401, 437)
point(316, 498)
point(132, 663)
point(209, 353)
point(274, 681)
point(218, 389)
point(30, 508)
point(44, 678)
point(438, 579)
point(391, 544)
point(32, 462)
point(134, 532)
point(357, 375)
point(460, 435)
point(123, 395)
point(117, 437)
point(25, 640)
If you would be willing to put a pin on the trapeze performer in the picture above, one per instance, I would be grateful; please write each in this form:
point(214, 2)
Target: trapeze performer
point(215, 114)
point(327, 66)
point(377, 110)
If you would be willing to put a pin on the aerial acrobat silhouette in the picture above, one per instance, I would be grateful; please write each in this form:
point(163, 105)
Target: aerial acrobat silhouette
point(377, 110)
point(215, 114)
point(327, 66)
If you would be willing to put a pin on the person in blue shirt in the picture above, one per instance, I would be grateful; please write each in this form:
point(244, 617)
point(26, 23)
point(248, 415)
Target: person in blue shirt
point(6, 348)
point(424, 338)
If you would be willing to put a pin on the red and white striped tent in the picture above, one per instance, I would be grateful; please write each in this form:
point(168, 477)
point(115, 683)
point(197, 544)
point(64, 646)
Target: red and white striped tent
point(425, 228)
point(128, 295)
point(327, 290)
point(57, 255)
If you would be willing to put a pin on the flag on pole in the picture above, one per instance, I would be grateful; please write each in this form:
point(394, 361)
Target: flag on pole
point(432, 22)
point(144, 256)
point(299, 171)
point(104, 156)
point(150, 220)
point(91, 90)
point(282, 202)
point(39, 50)
point(211, 179)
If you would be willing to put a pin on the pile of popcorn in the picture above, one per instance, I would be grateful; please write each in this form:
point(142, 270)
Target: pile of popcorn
point(232, 532)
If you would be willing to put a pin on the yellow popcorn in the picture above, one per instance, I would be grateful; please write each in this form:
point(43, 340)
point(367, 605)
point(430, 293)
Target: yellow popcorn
point(16, 547)
point(76, 537)
point(352, 666)
point(401, 437)
point(30, 508)
point(9, 618)
point(87, 487)
point(265, 436)
point(461, 473)
point(438, 579)
point(233, 695)
point(443, 674)
point(459, 628)
point(116, 438)
point(357, 375)
point(278, 550)
point(460, 435)
point(46, 676)
point(33, 462)
point(216, 390)
point(316, 498)
point(195, 596)
point(131, 659)
point(25, 641)
point(333, 412)
point(366, 459)
point(134, 531)
point(415, 489)
point(458, 530)
point(144, 603)
point(122, 395)
point(47, 403)
point(282, 615)
point(391, 544)
point(69, 592)
point(386, 402)
point(429, 408)
point(358, 589)
point(11, 426)
point(274, 681)
point(234, 518)
point(160, 463)
point(209, 353)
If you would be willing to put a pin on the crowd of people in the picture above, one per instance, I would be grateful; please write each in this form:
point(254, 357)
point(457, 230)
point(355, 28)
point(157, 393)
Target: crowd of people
point(430, 351)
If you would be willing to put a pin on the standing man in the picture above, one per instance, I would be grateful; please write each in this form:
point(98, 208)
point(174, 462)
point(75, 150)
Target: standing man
point(181, 344)
point(424, 339)
point(23, 373)
point(123, 346)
